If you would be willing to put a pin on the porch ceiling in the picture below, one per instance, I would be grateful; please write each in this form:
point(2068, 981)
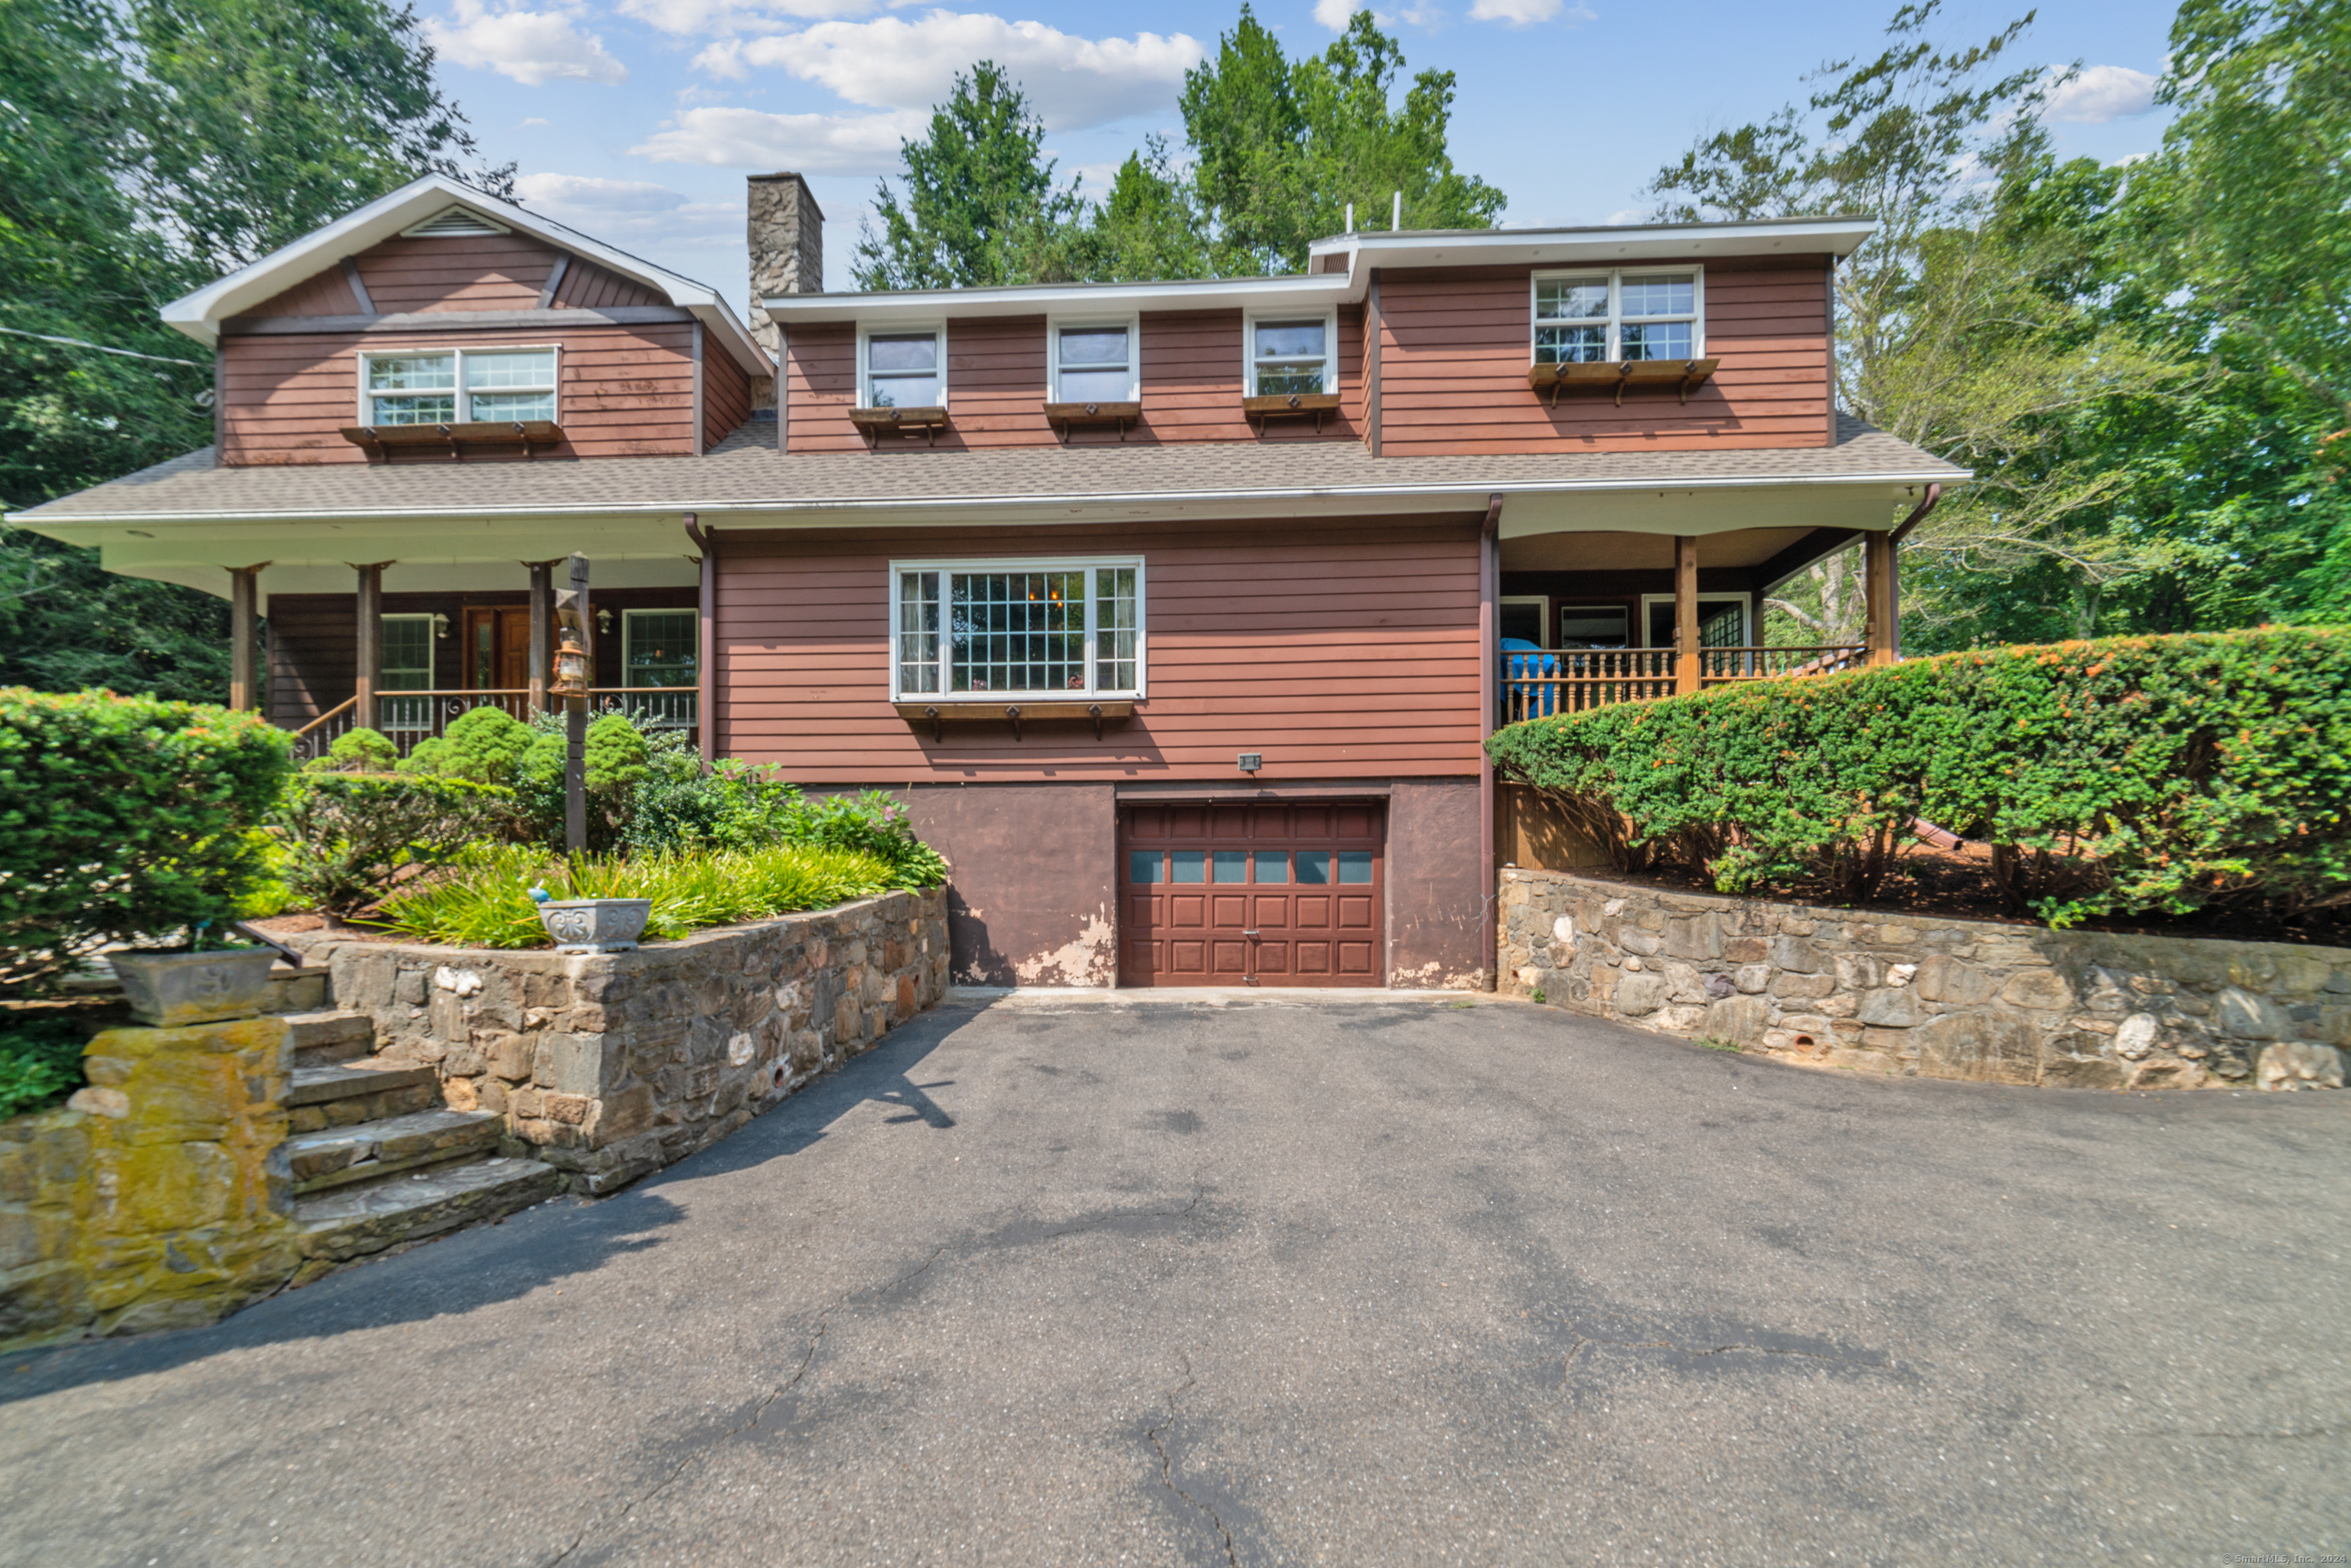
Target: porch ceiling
point(1618, 552)
point(1776, 509)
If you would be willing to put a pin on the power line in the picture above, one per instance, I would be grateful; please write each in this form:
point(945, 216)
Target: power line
point(126, 353)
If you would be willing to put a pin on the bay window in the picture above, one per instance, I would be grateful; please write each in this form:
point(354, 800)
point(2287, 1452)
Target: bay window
point(982, 629)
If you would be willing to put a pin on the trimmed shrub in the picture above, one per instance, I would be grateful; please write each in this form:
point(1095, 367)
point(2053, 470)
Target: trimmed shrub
point(483, 746)
point(872, 824)
point(360, 751)
point(484, 900)
point(124, 820)
point(349, 836)
point(2125, 776)
point(616, 757)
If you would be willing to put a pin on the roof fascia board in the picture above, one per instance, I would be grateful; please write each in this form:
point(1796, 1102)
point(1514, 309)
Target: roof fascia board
point(199, 315)
point(1837, 236)
point(1456, 493)
point(1316, 289)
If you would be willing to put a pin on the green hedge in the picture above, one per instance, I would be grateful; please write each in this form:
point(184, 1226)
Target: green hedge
point(2143, 775)
point(349, 837)
point(124, 819)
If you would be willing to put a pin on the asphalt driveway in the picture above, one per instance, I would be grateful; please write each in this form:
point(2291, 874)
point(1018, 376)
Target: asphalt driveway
point(1400, 1284)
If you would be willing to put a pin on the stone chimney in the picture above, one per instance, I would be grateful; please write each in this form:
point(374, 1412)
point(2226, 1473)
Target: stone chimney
point(787, 239)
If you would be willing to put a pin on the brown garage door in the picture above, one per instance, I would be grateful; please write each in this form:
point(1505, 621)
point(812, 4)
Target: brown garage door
point(1255, 894)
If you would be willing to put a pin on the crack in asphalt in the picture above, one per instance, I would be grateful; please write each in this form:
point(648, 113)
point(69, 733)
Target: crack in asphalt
point(1585, 1342)
point(1167, 1462)
point(816, 1342)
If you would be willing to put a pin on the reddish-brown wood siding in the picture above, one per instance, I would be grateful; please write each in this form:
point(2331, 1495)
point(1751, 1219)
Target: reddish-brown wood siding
point(1338, 648)
point(588, 286)
point(1457, 343)
point(469, 272)
point(327, 293)
point(625, 390)
point(1191, 384)
point(725, 392)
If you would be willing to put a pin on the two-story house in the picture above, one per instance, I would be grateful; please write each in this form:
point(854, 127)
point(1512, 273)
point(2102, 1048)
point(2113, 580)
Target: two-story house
point(1178, 611)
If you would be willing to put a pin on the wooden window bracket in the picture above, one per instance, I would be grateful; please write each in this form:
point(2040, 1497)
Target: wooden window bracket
point(384, 440)
point(1066, 416)
point(875, 422)
point(939, 715)
point(1615, 375)
point(1290, 406)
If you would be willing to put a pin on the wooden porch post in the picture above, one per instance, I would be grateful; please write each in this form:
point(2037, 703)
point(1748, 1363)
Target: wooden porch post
point(369, 670)
point(1878, 589)
point(1687, 676)
point(705, 644)
point(243, 610)
point(542, 630)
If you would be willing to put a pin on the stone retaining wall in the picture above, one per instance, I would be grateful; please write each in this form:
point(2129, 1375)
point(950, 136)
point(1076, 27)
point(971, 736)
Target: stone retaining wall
point(1930, 997)
point(158, 1196)
point(617, 1065)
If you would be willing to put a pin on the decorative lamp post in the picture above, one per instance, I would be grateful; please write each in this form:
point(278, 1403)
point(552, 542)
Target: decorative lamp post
point(570, 668)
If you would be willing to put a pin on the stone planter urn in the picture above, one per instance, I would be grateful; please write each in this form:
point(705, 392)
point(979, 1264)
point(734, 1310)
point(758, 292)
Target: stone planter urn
point(595, 925)
point(168, 990)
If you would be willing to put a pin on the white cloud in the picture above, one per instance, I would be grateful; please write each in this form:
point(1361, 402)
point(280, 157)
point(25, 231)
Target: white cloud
point(2100, 93)
point(532, 120)
point(724, 16)
point(1525, 13)
point(625, 209)
point(811, 143)
point(532, 47)
point(1073, 82)
point(1334, 14)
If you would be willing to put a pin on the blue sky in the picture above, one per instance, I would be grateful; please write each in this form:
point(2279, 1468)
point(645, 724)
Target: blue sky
point(636, 121)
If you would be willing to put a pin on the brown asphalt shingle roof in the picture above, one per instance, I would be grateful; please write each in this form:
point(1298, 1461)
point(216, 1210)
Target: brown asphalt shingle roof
point(747, 472)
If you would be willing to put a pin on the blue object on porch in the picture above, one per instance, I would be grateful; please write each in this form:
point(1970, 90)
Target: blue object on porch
point(1521, 660)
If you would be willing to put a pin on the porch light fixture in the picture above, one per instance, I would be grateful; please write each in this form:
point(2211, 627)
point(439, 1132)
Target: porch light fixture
point(604, 621)
point(570, 668)
point(440, 625)
point(1251, 761)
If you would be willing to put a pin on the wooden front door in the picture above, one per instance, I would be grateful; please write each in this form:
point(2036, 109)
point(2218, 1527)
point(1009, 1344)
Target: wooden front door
point(497, 649)
point(1287, 894)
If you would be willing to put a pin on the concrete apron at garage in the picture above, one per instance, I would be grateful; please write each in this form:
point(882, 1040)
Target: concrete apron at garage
point(1202, 996)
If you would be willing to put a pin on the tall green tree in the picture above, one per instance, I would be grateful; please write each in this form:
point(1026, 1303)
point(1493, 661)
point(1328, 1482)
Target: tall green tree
point(1283, 148)
point(982, 206)
point(145, 148)
point(1976, 321)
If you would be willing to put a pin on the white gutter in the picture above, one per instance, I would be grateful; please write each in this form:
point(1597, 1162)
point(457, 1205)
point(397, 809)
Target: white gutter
point(1303, 290)
point(1472, 489)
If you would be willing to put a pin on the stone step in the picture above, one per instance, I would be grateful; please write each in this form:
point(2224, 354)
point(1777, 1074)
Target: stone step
point(323, 1039)
point(301, 991)
point(353, 1221)
point(345, 1093)
point(337, 1156)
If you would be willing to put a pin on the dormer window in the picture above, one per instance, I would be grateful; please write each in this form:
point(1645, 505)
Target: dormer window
point(902, 369)
point(1094, 362)
point(457, 386)
point(1292, 354)
point(1612, 317)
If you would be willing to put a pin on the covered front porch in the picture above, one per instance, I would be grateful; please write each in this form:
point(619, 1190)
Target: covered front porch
point(1670, 601)
point(408, 662)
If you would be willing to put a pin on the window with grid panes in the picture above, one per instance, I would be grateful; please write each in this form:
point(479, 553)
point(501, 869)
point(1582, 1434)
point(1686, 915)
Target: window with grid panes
point(458, 386)
point(1071, 629)
point(1606, 317)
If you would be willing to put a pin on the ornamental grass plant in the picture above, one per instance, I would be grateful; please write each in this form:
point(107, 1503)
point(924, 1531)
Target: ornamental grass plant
point(484, 900)
point(2128, 776)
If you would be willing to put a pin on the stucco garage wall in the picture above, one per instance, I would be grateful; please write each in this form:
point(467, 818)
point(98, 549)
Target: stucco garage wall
point(1032, 893)
point(1438, 909)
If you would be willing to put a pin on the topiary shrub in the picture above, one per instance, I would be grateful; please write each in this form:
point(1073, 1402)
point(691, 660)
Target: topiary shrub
point(484, 745)
point(2123, 776)
point(360, 751)
point(349, 837)
point(124, 820)
point(616, 757)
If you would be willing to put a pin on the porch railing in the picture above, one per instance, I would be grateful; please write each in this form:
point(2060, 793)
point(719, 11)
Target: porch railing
point(1544, 683)
point(409, 718)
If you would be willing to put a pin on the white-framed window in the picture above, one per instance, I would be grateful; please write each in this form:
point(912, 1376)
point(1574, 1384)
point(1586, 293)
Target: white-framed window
point(969, 628)
point(658, 646)
point(1525, 618)
point(1094, 360)
point(455, 386)
point(1291, 353)
point(1631, 313)
point(902, 367)
point(1722, 620)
